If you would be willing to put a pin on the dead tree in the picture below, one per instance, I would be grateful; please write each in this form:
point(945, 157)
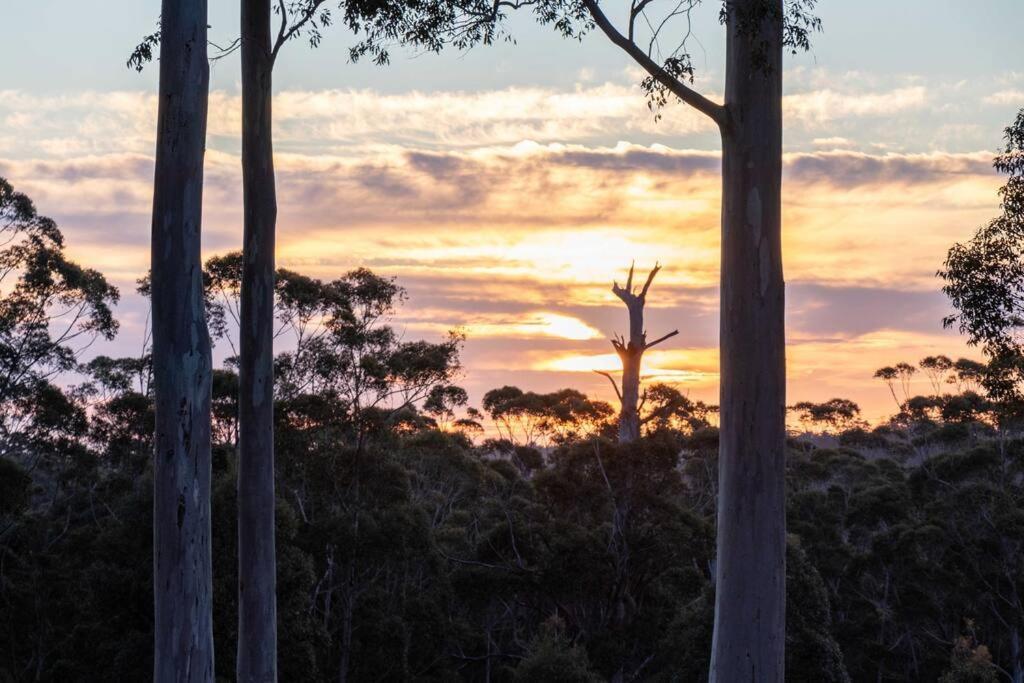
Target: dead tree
point(631, 354)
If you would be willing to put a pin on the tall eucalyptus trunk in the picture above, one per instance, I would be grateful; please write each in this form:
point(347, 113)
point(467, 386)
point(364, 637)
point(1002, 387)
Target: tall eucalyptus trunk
point(182, 562)
point(750, 591)
point(257, 574)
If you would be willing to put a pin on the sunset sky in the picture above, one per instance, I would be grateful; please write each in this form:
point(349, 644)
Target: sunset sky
point(508, 186)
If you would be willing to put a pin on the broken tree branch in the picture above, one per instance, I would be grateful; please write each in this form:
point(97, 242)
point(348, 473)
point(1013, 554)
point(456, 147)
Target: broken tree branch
point(661, 339)
point(650, 279)
point(611, 379)
point(716, 112)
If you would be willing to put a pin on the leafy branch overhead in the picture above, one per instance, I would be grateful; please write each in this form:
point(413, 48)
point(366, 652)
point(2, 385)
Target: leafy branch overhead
point(433, 24)
point(296, 19)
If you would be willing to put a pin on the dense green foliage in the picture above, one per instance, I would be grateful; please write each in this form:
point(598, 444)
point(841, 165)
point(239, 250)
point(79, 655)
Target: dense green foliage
point(407, 551)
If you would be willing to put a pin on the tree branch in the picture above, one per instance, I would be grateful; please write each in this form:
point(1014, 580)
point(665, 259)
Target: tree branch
point(634, 12)
point(284, 25)
point(624, 293)
point(305, 16)
point(612, 380)
point(619, 344)
point(661, 339)
point(712, 110)
point(650, 279)
point(223, 52)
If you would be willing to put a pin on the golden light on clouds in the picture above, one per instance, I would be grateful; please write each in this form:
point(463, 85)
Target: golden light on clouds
point(551, 325)
point(508, 213)
point(525, 325)
point(694, 366)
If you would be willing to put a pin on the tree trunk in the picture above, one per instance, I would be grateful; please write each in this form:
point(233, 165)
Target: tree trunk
point(749, 635)
point(1017, 675)
point(257, 580)
point(347, 617)
point(632, 356)
point(631, 353)
point(629, 417)
point(182, 563)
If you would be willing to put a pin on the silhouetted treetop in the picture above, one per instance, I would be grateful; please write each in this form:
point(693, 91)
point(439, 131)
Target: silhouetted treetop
point(433, 24)
point(51, 309)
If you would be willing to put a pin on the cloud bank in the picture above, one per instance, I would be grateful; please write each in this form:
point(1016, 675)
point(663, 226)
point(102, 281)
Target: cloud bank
point(507, 213)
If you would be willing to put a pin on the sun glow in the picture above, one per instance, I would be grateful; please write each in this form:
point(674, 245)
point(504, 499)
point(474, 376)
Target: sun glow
point(516, 243)
point(692, 366)
point(535, 324)
point(562, 326)
point(527, 325)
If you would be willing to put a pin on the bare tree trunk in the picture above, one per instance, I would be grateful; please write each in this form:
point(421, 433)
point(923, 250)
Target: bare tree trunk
point(631, 353)
point(749, 635)
point(182, 563)
point(629, 415)
point(257, 573)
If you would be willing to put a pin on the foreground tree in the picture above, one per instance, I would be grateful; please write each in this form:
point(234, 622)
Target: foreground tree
point(257, 607)
point(182, 578)
point(631, 353)
point(257, 572)
point(260, 47)
point(750, 596)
